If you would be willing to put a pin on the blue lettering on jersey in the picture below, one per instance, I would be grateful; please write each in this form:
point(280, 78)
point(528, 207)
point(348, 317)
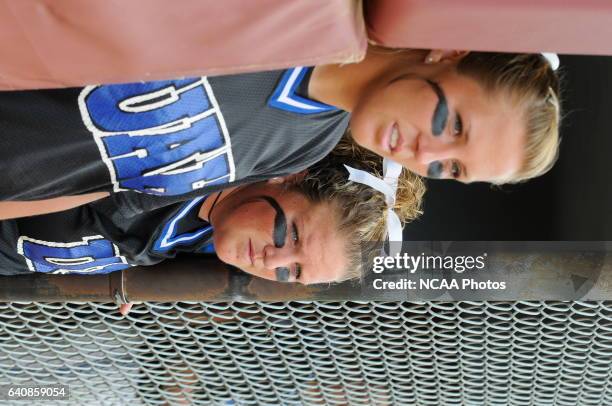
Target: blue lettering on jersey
point(164, 138)
point(169, 238)
point(92, 255)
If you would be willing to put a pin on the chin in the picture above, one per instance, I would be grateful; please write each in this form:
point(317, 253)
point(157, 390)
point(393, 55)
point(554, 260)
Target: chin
point(222, 255)
point(365, 133)
point(360, 137)
point(222, 251)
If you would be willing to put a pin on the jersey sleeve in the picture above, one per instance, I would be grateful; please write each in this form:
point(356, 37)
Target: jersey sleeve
point(45, 151)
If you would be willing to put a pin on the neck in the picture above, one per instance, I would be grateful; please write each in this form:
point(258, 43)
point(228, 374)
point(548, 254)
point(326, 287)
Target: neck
point(343, 86)
point(207, 209)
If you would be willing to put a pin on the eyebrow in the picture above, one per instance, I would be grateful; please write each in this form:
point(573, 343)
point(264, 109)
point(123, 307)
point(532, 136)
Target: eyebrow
point(440, 116)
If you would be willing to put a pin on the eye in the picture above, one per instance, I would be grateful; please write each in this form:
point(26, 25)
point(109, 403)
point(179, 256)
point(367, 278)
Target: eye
point(294, 233)
point(455, 170)
point(458, 127)
point(297, 272)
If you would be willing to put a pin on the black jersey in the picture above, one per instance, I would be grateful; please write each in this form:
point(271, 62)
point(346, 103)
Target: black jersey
point(176, 138)
point(95, 239)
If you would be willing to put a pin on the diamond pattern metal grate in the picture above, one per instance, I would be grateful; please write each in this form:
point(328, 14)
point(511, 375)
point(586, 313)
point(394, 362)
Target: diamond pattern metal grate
point(314, 353)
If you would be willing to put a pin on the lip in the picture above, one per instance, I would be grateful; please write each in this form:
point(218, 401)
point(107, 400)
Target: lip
point(251, 252)
point(415, 146)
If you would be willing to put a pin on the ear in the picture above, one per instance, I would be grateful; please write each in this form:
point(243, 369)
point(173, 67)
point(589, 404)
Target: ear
point(288, 179)
point(444, 55)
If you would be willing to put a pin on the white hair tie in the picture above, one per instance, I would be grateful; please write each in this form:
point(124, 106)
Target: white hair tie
point(388, 187)
point(552, 58)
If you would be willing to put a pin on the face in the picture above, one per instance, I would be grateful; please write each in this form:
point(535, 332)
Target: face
point(280, 235)
point(441, 124)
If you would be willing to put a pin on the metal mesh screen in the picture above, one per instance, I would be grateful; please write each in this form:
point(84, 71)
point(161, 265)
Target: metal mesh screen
point(314, 353)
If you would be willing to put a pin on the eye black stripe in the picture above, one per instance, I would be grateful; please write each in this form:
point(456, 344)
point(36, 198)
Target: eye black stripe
point(282, 274)
point(440, 117)
point(435, 169)
point(280, 222)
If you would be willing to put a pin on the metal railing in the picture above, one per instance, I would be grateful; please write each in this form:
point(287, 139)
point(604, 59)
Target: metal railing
point(314, 353)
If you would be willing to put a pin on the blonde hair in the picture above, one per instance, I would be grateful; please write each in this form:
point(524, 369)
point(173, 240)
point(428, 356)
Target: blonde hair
point(531, 82)
point(360, 210)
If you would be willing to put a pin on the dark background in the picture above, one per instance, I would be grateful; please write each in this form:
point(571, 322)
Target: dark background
point(572, 202)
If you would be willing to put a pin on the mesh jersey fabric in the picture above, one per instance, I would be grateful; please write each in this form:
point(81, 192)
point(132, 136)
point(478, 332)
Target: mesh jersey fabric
point(174, 139)
point(88, 241)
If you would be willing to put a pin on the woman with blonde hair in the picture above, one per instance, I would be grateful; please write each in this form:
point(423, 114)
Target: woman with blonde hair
point(309, 227)
point(468, 116)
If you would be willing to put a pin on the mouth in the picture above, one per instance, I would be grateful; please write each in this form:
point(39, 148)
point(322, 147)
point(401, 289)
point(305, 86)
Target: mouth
point(392, 140)
point(251, 252)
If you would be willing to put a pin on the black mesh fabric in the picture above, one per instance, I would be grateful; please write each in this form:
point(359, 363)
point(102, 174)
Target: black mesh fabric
point(47, 151)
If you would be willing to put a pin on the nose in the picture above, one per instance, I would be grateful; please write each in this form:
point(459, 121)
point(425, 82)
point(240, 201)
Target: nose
point(441, 148)
point(274, 257)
